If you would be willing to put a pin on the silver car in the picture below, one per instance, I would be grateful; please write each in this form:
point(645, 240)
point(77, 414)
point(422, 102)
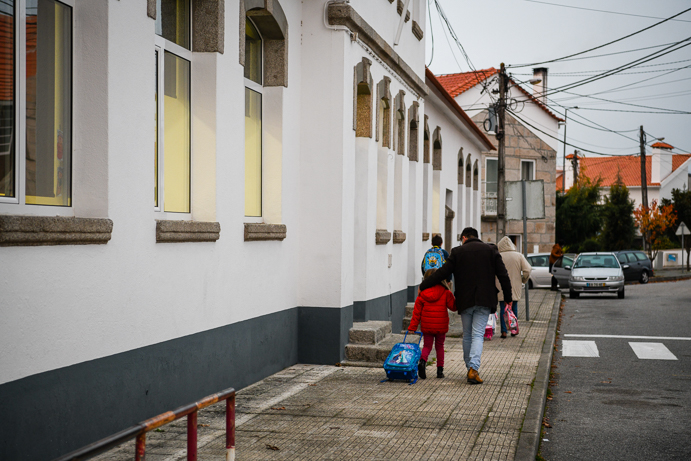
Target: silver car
point(596, 273)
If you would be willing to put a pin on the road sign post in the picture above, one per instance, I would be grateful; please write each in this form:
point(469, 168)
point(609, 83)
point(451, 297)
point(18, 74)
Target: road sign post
point(683, 230)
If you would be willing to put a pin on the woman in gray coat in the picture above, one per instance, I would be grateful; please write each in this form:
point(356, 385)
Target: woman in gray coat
point(519, 272)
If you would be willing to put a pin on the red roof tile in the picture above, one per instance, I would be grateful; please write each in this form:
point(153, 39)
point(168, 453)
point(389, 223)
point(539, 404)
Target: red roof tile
point(662, 145)
point(629, 168)
point(459, 83)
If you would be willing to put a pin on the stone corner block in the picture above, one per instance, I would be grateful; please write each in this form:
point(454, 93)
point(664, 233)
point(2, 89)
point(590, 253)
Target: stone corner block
point(262, 231)
point(398, 236)
point(425, 236)
point(54, 230)
point(417, 30)
point(187, 231)
point(383, 237)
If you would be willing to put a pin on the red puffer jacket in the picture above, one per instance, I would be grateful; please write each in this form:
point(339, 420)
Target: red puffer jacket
point(431, 306)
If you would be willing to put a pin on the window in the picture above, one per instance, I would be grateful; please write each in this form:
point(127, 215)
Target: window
point(641, 256)
point(527, 170)
point(172, 151)
point(36, 108)
point(538, 261)
point(253, 121)
point(491, 176)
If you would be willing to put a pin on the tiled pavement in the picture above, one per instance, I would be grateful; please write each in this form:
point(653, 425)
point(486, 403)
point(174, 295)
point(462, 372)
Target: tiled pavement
point(324, 412)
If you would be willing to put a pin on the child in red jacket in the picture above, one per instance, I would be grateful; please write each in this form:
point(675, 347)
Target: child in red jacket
point(431, 308)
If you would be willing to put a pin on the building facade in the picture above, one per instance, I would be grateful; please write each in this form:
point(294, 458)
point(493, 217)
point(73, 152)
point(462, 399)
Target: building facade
point(195, 194)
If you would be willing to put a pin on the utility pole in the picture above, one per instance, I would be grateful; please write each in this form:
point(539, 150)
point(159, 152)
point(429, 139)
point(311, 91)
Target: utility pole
point(501, 161)
point(563, 164)
point(574, 166)
point(644, 179)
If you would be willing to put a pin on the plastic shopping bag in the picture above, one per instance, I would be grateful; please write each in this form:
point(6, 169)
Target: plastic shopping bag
point(511, 320)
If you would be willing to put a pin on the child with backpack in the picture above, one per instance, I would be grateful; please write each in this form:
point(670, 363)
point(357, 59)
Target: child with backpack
point(431, 312)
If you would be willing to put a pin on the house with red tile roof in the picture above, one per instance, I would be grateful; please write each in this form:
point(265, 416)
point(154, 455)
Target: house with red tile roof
point(664, 171)
point(531, 146)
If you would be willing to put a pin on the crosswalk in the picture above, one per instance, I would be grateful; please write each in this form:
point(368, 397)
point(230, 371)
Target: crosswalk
point(643, 350)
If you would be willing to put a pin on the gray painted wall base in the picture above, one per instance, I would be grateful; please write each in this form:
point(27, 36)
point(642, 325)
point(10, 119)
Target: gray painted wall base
point(52, 413)
point(412, 293)
point(323, 334)
point(389, 307)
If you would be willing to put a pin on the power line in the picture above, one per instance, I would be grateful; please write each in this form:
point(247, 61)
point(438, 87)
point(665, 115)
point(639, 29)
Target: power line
point(568, 144)
point(431, 30)
point(627, 103)
point(617, 52)
point(637, 111)
point(583, 72)
point(603, 45)
point(602, 11)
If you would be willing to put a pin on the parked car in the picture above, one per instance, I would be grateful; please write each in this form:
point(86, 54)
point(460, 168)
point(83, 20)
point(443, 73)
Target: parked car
point(539, 276)
point(636, 265)
point(596, 273)
point(561, 270)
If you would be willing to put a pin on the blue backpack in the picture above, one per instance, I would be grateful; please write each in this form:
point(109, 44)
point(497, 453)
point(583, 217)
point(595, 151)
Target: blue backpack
point(434, 259)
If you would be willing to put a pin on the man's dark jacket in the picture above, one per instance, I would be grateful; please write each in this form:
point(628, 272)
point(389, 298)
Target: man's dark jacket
point(474, 266)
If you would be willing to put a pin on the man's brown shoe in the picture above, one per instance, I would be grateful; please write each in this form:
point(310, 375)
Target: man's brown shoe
point(474, 377)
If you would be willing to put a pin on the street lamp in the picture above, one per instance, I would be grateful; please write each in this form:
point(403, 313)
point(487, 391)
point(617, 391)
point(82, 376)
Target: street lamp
point(563, 165)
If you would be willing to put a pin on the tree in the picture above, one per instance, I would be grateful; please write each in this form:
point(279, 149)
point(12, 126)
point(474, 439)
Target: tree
point(681, 201)
point(578, 213)
point(618, 229)
point(652, 222)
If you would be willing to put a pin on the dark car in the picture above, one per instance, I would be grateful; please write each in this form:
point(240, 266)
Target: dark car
point(561, 270)
point(637, 267)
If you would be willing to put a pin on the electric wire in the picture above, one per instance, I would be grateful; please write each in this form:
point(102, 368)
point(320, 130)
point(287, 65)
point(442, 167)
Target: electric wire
point(671, 111)
point(604, 44)
point(602, 11)
point(431, 31)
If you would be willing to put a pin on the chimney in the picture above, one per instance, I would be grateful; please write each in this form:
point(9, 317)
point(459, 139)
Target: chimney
point(539, 89)
point(571, 173)
point(661, 162)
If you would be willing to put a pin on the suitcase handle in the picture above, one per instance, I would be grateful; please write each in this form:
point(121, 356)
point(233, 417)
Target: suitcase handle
point(414, 332)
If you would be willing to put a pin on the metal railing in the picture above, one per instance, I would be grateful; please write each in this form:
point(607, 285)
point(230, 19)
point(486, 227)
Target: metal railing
point(139, 431)
point(489, 206)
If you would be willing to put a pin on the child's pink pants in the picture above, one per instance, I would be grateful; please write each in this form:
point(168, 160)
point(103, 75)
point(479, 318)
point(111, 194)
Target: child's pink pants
point(438, 340)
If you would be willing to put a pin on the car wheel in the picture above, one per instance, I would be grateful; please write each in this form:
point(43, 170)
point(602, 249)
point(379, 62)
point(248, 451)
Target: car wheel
point(620, 294)
point(573, 294)
point(645, 277)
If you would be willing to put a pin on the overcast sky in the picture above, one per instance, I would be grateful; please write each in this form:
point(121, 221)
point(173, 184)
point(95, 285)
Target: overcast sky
point(521, 32)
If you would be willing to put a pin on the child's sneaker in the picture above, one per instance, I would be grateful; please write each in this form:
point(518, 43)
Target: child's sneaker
point(440, 372)
point(421, 369)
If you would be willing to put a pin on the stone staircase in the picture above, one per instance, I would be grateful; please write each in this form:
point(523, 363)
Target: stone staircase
point(369, 343)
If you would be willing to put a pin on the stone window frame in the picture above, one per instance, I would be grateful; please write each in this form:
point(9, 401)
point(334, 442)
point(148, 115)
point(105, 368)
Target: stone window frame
point(413, 136)
point(426, 141)
point(437, 149)
point(400, 123)
point(269, 18)
point(207, 30)
point(362, 99)
point(271, 22)
point(476, 175)
point(384, 112)
point(468, 171)
point(460, 173)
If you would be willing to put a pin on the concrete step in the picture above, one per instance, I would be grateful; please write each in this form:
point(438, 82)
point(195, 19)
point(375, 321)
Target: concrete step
point(369, 333)
point(373, 355)
point(409, 309)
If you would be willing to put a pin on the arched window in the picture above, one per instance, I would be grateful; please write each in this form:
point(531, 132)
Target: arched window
point(460, 166)
point(436, 152)
point(425, 146)
point(362, 120)
point(414, 119)
point(384, 112)
point(399, 106)
point(253, 119)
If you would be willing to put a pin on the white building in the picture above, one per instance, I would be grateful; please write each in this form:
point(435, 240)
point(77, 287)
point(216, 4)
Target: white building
point(288, 147)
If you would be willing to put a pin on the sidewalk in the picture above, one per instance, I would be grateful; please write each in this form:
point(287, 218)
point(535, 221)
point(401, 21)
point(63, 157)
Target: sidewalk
point(325, 412)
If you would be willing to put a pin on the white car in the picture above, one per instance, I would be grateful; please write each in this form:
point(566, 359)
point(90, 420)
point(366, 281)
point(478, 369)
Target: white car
point(596, 273)
point(540, 276)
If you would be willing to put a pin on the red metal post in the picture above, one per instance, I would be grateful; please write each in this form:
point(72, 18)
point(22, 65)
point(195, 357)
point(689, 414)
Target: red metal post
point(230, 428)
point(192, 436)
point(140, 447)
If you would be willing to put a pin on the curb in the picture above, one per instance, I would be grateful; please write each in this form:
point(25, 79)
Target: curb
point(664, 278)
point(529, 437)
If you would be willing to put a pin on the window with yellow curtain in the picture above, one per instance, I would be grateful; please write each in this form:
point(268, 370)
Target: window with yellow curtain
point(172, 149)
point(253, 121)
point(45, 36)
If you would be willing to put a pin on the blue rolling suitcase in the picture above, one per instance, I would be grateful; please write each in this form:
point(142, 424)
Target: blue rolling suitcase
point(403, 360)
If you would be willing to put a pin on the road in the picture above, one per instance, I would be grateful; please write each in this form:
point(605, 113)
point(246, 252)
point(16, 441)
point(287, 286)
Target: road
point(609, 403)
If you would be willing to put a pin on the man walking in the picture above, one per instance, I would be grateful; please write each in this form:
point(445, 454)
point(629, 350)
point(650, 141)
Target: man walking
point(474, 265)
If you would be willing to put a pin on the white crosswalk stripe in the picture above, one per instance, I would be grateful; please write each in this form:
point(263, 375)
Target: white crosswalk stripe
point(652, 351)
point(643, 350)
point(572, 348)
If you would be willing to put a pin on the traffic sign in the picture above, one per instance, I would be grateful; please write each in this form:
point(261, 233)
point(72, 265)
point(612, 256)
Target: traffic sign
point(683, 230)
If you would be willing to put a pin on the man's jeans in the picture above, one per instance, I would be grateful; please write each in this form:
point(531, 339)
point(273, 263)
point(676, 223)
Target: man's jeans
point(474, 322)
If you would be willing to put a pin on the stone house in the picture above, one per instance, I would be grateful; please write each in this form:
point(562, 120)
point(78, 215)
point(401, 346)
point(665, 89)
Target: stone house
point(530, 147)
